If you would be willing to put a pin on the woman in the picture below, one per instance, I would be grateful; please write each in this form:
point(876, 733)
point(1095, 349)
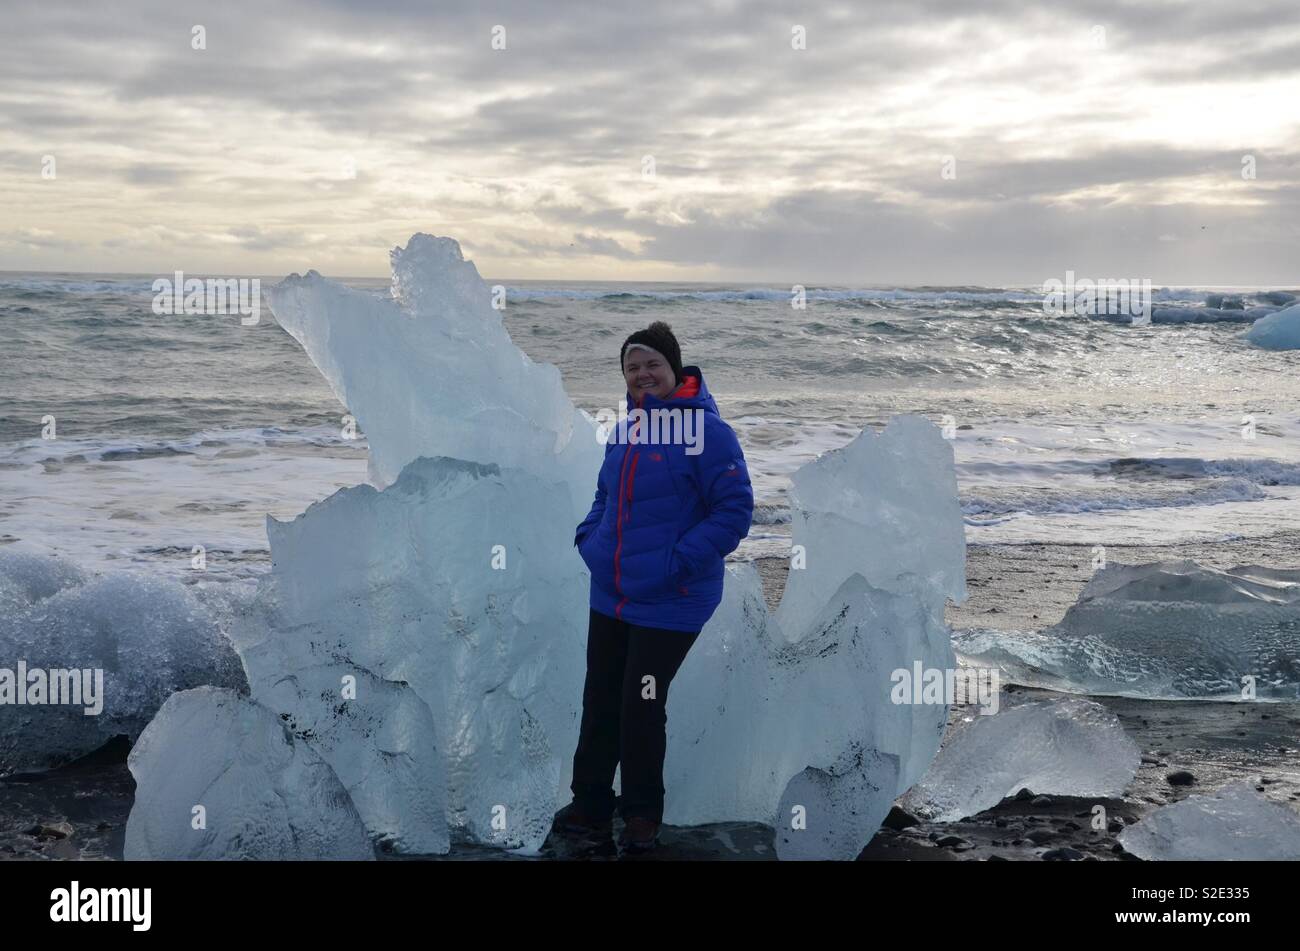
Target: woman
point(671, 503)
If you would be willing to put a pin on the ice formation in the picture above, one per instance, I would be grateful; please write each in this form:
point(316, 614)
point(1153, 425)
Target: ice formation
point(140, 636)
point(889, 491)
point(257, 792)
point(1208, 315)
point(367, 580)
point(1165, 630)
point(1279, 331)
point(1233, 824)
point(433, 371)
point(457, 591)
point(1063, 747)
point(456, 598)
point(763, 697)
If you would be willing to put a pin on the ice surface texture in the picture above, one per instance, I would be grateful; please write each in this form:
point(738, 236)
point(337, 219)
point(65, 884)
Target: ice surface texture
point(1166, 630)
point(485, 662)
point(1063, 748)
point(455, 596)
point(256, 792)
point(148, 635)
point(1233, 824)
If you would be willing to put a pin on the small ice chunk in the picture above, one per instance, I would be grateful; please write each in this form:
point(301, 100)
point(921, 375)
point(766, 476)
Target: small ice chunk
point(1165, 630)
point(219, 776)
point(28, 577)
point(1279, 331)
point(833, 814)
point(1233, 824)
point(1224, 302)
point(1199, 315)
point(1064, 748)
point(123, 641)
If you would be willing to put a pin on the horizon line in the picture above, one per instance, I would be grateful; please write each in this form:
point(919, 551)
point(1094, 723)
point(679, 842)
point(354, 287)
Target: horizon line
point(555, 280)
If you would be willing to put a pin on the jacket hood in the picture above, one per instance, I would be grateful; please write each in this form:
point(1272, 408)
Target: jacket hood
point(693, 393)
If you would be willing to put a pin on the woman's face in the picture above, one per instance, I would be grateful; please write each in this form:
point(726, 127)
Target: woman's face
point(646, 371)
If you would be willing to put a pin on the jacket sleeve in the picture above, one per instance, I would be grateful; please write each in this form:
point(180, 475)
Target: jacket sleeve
point(597, 508)
point(724, 480)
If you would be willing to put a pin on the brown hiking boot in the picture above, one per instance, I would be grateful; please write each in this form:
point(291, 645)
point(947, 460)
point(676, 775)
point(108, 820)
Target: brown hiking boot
point(573, 819)
point(639, 834)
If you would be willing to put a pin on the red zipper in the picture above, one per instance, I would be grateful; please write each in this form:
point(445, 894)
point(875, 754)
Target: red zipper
point(631, 474)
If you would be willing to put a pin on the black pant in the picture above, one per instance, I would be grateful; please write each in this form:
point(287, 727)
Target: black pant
point(623, 717)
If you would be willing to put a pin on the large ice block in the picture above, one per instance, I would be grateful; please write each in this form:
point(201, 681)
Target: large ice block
point(221, 777)
point(457, 591)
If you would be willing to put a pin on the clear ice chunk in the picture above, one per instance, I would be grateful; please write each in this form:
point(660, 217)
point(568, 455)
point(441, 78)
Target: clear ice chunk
point(1054, 747)
point(1233, 824)
point(128, 639)
point(1165, 630)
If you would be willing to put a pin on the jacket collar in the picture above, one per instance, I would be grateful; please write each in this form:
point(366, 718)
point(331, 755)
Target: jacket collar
point(692, 387)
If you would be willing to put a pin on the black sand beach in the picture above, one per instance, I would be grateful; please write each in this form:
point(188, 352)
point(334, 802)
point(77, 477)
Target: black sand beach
point(80, 810)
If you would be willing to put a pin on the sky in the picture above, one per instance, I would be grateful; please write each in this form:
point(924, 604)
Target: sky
point(855, 144)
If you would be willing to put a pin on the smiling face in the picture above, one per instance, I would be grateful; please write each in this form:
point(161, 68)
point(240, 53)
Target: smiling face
point(646, 371)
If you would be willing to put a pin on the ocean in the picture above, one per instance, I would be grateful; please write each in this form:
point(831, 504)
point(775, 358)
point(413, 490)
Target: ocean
point(173, 432)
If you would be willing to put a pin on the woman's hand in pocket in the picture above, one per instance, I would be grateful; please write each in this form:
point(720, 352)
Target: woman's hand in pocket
point(678, 570)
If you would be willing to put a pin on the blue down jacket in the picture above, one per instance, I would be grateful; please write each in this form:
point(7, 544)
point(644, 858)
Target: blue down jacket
point(664, 519)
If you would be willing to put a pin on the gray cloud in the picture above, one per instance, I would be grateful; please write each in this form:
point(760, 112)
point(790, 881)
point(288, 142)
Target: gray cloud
point(768, 160)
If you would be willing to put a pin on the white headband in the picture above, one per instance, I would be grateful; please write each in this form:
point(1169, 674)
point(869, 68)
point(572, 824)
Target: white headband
point(634, 346)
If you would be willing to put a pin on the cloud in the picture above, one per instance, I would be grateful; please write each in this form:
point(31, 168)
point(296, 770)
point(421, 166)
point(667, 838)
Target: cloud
point(155, 175)
point(598, 244)
point(767, 159)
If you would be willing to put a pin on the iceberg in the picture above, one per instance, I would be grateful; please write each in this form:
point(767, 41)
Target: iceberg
point(131, 638)
point(1210, 314)
point(1233, 824)
point(1059, 747)
point(448, 596)
point(220, 777)
point(1279, 331)
point(1165, 630)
